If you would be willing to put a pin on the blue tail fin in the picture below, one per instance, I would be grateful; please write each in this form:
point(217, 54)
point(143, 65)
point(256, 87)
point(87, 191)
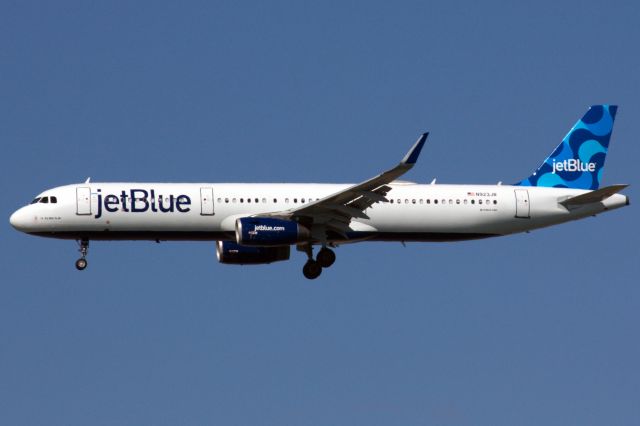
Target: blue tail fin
point(578, 161)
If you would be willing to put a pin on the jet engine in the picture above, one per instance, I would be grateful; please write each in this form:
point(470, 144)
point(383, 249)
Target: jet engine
point(235, 254)
point(269, 232)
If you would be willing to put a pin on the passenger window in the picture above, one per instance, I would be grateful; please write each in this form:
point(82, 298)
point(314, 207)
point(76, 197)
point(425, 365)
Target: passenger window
point(257, 200)
point(406, 201)
point(428, 201)
point(488, 201)
point(234, 200)
point(479, 201)
point(420, 200)
point(54, 199)
point(226, 200)
point(286, 200)
point(219, 200)
point(391, 201)
point(435, 201)
point(450, 201)
point(399, 201)
point(444, 201)
point(473, 201)
point(302, 201)
point(495, 201)
point(465, 201)
point(242, 200)
point(264, 200)
point(457, 201)
point(275, 200)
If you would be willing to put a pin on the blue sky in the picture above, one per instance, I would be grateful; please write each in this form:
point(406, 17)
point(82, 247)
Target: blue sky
point(530, 329)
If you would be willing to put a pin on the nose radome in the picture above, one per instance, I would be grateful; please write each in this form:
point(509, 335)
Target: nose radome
point(18, 219)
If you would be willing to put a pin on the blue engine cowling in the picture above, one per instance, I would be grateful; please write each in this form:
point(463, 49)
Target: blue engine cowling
point(232, 253)
point(268, 232)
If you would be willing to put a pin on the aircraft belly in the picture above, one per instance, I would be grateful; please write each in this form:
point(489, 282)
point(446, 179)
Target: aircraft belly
point(449, 219)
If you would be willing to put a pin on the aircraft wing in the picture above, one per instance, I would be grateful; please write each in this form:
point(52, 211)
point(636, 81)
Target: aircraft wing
point(334, 212)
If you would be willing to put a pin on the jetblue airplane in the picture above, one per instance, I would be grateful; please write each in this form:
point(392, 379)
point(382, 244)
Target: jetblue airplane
point(258, 223)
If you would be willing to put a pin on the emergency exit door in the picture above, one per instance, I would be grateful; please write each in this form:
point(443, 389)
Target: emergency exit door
point(206, 201)
point(83, 200)
point(523, 208)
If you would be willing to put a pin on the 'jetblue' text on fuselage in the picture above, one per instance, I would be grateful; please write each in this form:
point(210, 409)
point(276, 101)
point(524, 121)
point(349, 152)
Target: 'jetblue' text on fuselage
point(140, 201)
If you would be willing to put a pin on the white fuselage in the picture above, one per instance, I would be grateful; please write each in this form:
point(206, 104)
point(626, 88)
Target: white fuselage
point(208, 211)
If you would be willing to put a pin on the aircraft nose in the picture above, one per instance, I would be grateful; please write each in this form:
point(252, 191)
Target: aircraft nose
point(19, 219)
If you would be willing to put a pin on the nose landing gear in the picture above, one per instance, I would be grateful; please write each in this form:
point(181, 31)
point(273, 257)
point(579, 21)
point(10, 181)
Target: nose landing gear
point(81, 263)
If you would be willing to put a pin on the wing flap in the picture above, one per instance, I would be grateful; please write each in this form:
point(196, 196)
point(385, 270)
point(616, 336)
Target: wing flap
point(369, 198)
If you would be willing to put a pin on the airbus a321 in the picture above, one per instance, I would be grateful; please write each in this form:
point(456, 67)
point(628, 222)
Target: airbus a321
point(257, 223)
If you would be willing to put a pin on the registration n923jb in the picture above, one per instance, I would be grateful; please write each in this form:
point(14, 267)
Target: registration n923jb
point(257, 223)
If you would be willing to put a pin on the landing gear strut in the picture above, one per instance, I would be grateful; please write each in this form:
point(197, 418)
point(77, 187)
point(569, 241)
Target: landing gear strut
point(84, 249)
point(313, 268)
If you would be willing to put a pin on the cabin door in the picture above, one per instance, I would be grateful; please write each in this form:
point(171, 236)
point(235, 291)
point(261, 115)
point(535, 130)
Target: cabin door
point(522, 203)
point(206, 201)
point(83, 200)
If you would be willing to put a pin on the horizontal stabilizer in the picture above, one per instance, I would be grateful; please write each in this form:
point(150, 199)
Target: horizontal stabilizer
point(593, 196)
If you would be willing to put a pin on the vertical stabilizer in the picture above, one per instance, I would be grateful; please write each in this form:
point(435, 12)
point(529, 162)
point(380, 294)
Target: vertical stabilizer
point(579, 160)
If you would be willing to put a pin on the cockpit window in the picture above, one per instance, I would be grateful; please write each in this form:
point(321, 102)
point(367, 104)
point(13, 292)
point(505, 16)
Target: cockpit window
point(44, 200)
point(53, 199)
point(36, 200)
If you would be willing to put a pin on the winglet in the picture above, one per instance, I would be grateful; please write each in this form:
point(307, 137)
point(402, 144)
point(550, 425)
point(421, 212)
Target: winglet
point(414, 152)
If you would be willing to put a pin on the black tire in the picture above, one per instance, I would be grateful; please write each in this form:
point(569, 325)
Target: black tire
point(326, 257)
point(81, 264)
point(312, 270)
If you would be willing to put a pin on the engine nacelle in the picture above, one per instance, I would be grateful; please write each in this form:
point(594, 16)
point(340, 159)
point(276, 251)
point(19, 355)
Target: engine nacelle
point(269, 232)
point(232, 253)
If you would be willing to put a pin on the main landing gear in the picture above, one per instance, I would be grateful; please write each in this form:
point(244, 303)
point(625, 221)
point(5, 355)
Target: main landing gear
point(84, 249)
point(313, 268)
